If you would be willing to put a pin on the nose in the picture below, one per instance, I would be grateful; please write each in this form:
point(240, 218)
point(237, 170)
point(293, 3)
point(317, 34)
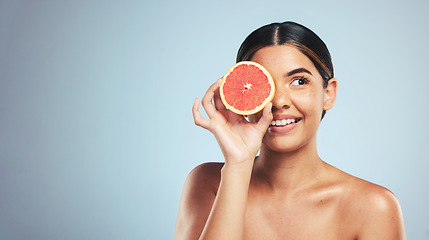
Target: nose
point(281, 99)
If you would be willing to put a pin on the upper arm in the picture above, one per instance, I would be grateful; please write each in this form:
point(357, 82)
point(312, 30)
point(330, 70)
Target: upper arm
point(198, 195)
point(383, 218)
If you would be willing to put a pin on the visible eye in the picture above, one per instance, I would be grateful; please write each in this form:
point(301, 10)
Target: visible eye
point(299, 81)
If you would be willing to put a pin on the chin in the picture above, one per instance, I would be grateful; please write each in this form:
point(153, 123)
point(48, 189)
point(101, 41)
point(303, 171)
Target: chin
point(282, 146)
point(286, 144)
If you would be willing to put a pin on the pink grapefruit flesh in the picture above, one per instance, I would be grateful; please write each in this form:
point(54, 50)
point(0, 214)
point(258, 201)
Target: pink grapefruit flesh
point(246, 88)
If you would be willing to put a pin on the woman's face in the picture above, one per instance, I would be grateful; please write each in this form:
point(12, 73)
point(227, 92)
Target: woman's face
point(299, 98)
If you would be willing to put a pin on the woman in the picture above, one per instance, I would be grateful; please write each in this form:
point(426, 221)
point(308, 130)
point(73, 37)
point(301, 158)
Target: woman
point(287, 192)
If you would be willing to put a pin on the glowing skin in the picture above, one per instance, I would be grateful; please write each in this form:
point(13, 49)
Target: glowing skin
point(299, 93)
point(287, 192)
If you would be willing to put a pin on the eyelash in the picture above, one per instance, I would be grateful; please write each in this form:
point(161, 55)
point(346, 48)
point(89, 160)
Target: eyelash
point(304, 79)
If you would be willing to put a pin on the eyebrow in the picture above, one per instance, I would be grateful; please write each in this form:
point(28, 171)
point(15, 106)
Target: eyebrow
point(298, 70)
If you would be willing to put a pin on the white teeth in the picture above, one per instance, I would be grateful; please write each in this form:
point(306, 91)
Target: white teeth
point(282, 122)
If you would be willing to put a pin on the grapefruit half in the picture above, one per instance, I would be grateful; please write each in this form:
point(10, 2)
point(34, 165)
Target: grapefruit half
point(246, 88)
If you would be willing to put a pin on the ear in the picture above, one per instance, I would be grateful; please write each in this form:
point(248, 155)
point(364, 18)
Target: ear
point(330, 94)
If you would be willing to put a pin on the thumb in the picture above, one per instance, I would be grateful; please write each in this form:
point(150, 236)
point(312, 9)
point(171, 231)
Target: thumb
point(265, 121)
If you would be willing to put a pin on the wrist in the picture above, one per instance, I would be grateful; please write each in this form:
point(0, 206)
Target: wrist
point(238, 167)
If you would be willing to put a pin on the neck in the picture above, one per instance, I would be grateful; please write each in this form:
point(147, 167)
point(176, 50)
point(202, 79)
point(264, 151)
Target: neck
point(289, 171)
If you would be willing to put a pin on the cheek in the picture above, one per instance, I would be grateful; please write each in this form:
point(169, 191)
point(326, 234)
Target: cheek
point(309, 103)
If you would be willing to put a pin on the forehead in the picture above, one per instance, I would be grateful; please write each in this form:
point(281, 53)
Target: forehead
point(283, 58)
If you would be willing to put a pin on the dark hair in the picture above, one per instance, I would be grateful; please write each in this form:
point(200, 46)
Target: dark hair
point(293, 34)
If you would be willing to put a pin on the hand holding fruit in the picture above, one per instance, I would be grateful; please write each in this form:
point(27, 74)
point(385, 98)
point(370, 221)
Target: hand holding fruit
point(238, 139)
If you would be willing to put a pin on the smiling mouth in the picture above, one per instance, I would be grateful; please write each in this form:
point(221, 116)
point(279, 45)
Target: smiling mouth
point(284, 122)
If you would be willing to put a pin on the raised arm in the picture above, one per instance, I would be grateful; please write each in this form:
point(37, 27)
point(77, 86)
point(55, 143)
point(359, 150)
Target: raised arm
point(205, 213)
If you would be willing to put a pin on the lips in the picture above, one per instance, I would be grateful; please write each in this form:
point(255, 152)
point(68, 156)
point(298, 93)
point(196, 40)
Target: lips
point(284, 123)
point(284, 119)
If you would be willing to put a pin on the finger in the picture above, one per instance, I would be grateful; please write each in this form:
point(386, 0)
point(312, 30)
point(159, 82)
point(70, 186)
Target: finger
point(232, 116)
point(267, 116)
point(207, 100)
point(198, 119)
point(218, 101)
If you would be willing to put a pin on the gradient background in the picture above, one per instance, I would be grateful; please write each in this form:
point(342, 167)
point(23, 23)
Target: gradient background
point(96, 131)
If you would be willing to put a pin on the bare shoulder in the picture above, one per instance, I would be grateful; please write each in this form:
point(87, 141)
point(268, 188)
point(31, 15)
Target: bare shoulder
point(369, 196)
point(205, 176)
point(373, 208)
point(199, 192)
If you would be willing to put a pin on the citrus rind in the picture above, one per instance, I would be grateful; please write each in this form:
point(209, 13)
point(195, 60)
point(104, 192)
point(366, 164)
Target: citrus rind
point(260, 106)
